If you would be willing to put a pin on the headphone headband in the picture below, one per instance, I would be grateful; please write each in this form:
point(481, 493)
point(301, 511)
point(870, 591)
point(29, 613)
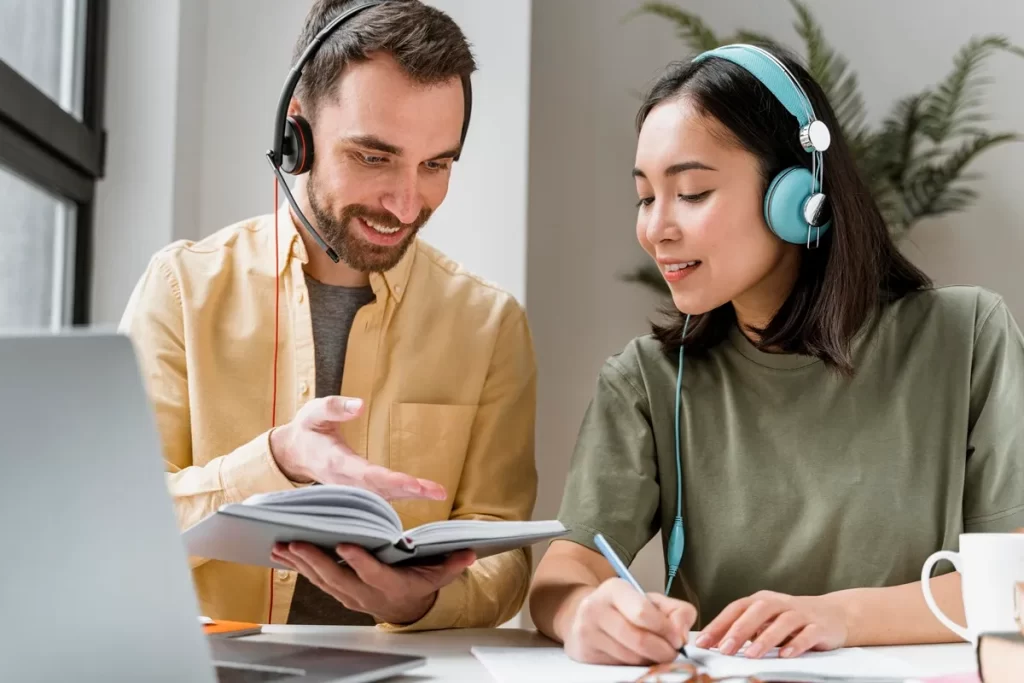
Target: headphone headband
point(780, 81)
point(292, 81)
point(766, 68)
point(793, 207)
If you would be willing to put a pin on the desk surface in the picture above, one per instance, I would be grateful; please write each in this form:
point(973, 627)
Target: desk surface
point(449, 657)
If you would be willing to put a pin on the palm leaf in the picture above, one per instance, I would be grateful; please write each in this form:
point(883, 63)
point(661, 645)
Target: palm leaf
point(895, 146)
point(954, 199)
point(752, 38)
point(649, 276)
point(948, 110)
point(690, 28)
point(931, 190)
point(892, 207)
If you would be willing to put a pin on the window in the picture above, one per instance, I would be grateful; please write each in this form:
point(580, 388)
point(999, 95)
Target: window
point(52, 63)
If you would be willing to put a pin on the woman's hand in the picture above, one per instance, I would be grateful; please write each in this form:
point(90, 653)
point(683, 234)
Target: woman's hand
point(797, 623)
point(615, 624)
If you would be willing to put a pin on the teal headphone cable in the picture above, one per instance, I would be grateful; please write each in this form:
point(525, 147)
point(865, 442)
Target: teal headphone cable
point(676, 540)
point(793, 210)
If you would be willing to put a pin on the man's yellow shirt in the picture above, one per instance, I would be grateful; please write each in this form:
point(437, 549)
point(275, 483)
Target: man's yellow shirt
point(442, 359)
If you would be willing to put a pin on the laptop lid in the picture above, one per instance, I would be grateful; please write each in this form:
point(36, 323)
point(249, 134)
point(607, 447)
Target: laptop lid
point(97, 585)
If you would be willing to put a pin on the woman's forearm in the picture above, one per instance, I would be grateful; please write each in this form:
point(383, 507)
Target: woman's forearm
point(553, 606)
point(563, 579)
point(898, 615)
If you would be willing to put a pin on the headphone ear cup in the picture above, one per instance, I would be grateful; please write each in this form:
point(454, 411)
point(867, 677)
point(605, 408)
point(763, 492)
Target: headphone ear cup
point(784, 201)
point(297, 153)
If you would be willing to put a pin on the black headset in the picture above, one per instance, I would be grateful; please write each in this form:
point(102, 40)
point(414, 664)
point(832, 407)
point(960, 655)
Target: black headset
point(292, 151)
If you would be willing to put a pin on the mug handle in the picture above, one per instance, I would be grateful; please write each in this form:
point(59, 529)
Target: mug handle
point(926, 575)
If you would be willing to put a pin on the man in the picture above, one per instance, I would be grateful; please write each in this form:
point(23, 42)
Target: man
point(396, 369)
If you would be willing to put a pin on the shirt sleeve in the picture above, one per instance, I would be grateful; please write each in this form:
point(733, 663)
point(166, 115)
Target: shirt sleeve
point(498, 482)
point(153, 320)
point(612, 485)
point(994, 483)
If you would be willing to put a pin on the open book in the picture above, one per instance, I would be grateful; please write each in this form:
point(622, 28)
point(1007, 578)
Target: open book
point(328, 515)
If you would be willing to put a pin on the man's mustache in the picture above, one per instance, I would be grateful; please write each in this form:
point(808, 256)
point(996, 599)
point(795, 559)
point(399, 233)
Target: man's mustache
point(383, 218)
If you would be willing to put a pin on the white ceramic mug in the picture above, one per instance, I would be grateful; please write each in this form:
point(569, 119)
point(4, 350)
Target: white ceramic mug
point(990, 566)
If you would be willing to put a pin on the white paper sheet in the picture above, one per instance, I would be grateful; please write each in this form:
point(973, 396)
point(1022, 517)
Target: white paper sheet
point(541, 665)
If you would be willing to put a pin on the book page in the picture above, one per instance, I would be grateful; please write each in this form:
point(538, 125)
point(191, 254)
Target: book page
point(340, 502)
point(470, 530)
point(514, 665)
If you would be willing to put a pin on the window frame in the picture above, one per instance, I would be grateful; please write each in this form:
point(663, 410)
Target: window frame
point(50, 147)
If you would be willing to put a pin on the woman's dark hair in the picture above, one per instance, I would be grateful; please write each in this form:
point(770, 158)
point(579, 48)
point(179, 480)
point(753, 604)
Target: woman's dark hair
point(856, 268)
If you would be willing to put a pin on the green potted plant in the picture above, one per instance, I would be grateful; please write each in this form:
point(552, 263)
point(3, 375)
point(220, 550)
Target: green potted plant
point(915, 161)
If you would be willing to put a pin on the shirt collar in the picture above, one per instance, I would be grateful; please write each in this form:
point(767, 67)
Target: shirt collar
point(290, 244)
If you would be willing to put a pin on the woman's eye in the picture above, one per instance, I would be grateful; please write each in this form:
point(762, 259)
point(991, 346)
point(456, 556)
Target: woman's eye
point(644, 201)
point(695, 197)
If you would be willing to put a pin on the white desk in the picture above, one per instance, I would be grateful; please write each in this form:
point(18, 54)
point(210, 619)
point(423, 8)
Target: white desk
point(449, 658)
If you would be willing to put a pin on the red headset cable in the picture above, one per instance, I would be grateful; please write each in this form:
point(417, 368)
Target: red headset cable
point(273, 399)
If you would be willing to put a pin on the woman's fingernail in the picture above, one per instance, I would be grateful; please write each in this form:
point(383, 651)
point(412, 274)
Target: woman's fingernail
point(727, 646)
point(754, 651)
point(702, 640)
point(787, 652)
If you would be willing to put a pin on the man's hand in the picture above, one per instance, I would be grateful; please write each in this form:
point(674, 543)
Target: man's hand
point(797, 623)
point(397, 595)
point(617, 625)
point(310, 449)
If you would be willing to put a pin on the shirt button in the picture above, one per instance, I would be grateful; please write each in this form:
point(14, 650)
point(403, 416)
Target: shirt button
point(301, 297)
point(398, 288)
point(282, 574)
point(304, 388)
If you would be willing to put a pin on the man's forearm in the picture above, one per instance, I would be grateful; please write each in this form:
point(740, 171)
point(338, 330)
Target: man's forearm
point(486, 595)
point(198, 491)
point(898, 615)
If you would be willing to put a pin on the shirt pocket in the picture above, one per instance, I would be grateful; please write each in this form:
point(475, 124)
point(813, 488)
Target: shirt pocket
point(429, 440)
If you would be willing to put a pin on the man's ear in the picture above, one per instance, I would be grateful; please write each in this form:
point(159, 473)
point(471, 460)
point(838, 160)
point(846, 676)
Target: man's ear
point(294, 107)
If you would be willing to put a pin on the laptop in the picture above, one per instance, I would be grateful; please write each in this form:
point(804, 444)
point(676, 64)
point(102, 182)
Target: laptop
point(96, 583)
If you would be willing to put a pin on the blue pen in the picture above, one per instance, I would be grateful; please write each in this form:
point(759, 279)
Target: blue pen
point(623, 572)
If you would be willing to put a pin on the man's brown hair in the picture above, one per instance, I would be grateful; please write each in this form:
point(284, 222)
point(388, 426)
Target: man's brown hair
point(425, 42)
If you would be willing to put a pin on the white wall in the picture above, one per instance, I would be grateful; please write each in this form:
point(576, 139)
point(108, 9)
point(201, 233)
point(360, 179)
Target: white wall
point(248, 54)
point(587, 68)
point(134, 202)
point(483, 221)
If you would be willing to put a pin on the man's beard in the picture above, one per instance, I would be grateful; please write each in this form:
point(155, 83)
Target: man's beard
point(341, 233)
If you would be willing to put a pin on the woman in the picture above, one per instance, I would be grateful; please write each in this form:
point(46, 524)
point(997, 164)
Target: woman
point(839, 417)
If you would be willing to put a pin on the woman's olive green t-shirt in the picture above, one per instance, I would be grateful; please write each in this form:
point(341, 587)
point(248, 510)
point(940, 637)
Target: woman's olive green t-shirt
point(796, 479)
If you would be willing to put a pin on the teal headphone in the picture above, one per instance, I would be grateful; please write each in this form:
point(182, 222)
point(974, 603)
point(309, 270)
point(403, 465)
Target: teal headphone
point(794, 206)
